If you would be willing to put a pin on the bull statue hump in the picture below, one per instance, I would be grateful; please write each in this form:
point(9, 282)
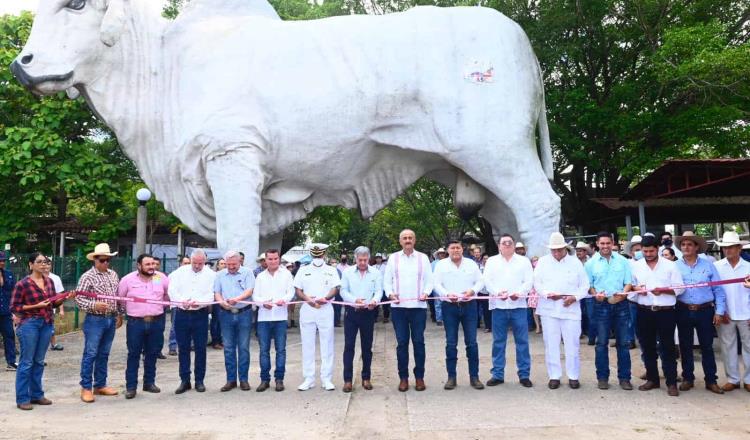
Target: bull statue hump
point(242, 123)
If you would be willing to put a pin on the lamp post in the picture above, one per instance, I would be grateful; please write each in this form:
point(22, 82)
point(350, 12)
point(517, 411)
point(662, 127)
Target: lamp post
point(143, 195)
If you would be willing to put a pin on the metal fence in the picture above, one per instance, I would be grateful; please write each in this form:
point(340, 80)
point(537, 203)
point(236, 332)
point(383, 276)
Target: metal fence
point(70, 268)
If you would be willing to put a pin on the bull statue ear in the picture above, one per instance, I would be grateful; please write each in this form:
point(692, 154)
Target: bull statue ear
point(113, 22)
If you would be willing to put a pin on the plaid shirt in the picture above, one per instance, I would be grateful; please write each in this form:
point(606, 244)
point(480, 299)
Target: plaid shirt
point(27, 293)
point(104, 283)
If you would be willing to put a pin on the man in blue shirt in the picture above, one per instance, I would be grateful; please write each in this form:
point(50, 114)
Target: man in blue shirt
point(699, 309)
point(363, 285)
point(610, 277)
point(7, 283)
point(233, 284)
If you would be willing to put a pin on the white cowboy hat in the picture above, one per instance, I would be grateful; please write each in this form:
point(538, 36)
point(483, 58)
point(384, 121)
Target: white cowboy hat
point(261, 257)
point(520, 245)
point(730, 238)
point(557, 241)
point(583, 245)
point(100, 249)
point(636, 239)
point(690, 236)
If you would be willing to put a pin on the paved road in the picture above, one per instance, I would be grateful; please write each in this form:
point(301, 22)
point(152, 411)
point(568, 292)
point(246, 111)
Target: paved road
point(507, 411)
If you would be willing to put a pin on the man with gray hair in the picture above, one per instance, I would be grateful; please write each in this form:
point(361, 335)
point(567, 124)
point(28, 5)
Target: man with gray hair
point(193, 286)
point(362, 285)
point(231, 286)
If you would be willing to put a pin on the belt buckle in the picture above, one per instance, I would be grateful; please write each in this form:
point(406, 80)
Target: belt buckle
point(655, 308)
point(148, 319)
point(693, 307)
point(235, 311)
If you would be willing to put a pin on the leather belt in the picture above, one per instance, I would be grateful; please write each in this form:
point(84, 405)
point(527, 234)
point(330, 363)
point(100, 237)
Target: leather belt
point(147, 318)
point(238, 311)
point(696, 307)
point(201, 310)
point(655, 308)
point(102, 315)
point(458, 303)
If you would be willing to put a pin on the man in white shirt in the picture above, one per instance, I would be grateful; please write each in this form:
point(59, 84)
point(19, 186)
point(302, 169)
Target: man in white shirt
point(508, 278)
point(561, 282)
point(192, 284)
point(738, 311)
point(274, 287)
point(458, 279)
point(408, 282)
point(316, 284)
point(657, 317)
point(361, 284)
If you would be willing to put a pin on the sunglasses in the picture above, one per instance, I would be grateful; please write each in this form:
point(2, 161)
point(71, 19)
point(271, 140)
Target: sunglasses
point(103, 260)
point(506, 243)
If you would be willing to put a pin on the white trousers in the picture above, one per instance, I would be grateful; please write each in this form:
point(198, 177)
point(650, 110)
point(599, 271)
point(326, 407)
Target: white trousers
point(310, 321)
point(569, 331)
point(728, 338)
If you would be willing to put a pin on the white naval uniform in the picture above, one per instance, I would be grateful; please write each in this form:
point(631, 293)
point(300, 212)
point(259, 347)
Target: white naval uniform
point(316, 282)
point(564, 277)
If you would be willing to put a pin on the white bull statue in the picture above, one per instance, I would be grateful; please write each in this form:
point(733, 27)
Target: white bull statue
point(242, 123)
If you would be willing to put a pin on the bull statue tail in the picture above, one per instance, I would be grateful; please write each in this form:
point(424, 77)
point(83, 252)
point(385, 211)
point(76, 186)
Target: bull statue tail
point(545, 147)
point(469, 196)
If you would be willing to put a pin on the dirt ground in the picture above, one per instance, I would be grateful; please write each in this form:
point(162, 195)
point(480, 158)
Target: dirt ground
point(508, 411)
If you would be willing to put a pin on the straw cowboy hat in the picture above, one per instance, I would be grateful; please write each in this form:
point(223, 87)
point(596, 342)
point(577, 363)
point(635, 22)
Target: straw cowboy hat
point(261, 257)
point(520, 245)
point(557, 241)
point(731, 238)
point(583, 245)
point(690, 236)
point(100, 249)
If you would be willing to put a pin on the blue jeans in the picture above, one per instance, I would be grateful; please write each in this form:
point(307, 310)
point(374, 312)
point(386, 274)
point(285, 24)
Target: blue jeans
point(515, 318)
point(606, 315)
point(9, 338)
point(633, 326)
point(172, 333)
point(235, 329)
point(34, 335)
point(589, 325)
point(467, 316)
point(363, 322)
point(438, 310)
point(277, 331)
point(98, 333)
point(409, 324)
point(215, 325)
point(147, 338)
point(191, 328)
point(702, 321)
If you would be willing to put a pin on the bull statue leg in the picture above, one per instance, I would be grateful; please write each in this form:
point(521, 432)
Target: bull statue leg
point(236, 180)
point(520, 185)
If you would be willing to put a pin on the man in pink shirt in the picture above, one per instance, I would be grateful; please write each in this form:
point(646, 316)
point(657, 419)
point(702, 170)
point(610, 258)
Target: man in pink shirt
point(145, 328)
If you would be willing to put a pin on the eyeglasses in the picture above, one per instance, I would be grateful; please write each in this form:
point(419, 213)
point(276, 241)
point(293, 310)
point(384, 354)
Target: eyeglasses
point(506, 242)
point(42, 262)
point(103, 260)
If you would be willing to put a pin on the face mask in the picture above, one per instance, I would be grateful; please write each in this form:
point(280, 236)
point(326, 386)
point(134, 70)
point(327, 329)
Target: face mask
point(343, 260)
point(666, 242)
point(638, 255)
point(318, 262)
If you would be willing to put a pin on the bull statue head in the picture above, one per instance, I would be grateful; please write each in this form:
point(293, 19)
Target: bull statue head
point(69, 44)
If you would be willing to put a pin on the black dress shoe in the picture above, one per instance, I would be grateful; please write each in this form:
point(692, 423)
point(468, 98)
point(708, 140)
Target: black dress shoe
point(199, 387)
point(526, 383)
point(151, 388)
point(184, 386)
point(229, 386)
point(554, 384)
point(129, 394)
point(493, 382)
point(574, 384)
point(160, 356)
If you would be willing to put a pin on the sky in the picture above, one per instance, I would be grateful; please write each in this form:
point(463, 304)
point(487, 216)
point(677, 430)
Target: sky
point(15, 6)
